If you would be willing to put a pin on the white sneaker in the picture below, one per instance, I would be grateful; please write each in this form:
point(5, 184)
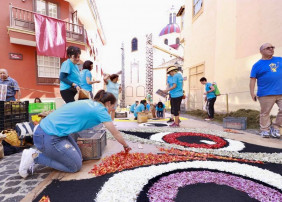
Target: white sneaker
point(274, 132)
point(27, 162)
point(264, 134)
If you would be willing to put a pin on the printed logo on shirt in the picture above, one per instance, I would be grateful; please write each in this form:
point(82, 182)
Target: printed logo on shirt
point(273, 67)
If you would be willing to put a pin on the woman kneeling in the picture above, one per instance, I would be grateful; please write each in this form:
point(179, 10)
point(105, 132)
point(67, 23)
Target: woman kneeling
point(57, 149)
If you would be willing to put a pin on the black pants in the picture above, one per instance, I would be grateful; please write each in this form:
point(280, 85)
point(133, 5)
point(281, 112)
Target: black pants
point(210, 107)
point(175, 105)
point(68, 94)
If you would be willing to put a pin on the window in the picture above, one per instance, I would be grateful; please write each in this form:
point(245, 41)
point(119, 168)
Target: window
point(177, 41)
point(134, 44)
point(48, 67)
point(46, 8)
point(197, 6)
point(166, 41)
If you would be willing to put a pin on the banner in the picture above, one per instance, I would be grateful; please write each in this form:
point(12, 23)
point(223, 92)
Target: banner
point(50, 35)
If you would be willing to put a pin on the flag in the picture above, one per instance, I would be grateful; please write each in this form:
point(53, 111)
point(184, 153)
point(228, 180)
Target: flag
point(50, 35)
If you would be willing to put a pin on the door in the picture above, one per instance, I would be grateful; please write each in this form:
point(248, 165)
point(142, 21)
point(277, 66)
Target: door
point(195, 99)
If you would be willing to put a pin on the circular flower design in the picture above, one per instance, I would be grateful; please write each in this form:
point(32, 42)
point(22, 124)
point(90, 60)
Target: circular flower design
point(170, 185)
point(128, 184)
point(172, 138)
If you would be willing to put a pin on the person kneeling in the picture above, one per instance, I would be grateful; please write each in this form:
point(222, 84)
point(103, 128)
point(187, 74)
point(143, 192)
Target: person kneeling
point(55, 147)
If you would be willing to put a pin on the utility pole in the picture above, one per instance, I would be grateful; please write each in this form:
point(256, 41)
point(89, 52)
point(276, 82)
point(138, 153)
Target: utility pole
point(149, 65)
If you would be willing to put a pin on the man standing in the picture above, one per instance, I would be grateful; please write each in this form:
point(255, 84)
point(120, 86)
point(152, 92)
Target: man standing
point(176, 93)
point(210, 96)
point(268, 74)
point(12, 86)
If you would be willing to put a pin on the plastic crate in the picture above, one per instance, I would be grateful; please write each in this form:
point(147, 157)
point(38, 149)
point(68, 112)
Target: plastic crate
point(10, 108)
point(92, 143)
point(12, 113)
point(36, 108)
point(239, 123)
point(121, 115)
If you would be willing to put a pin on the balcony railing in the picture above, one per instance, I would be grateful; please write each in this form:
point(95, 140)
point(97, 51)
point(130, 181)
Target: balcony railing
point(24, 19)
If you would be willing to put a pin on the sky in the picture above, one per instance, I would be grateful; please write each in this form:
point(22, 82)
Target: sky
point(121, 18)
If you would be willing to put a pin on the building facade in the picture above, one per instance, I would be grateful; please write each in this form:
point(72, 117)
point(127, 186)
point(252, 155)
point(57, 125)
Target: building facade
point(221, 42)
point(38, 76)
point(165, 47)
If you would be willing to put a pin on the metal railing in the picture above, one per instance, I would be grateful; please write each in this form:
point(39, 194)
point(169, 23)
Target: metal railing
point(24, 19)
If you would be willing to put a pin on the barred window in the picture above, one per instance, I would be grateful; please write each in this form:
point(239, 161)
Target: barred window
point(48, 67)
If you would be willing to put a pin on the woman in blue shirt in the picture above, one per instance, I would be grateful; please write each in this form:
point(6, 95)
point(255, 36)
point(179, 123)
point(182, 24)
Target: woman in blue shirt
point(69, 75)
point(176, 93)
point(86, 77)
point(114, 88)
point(140, 108)
point(160, 109)
point(52, 137)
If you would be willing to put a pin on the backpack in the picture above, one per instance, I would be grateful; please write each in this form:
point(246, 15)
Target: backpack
point(216, 90)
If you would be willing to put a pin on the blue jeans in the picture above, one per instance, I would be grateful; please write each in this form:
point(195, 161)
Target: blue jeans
point(10, 98)
point(160, 113)
point(60, 153)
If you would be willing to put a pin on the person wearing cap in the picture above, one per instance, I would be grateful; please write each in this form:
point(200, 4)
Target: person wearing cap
point(176, 93)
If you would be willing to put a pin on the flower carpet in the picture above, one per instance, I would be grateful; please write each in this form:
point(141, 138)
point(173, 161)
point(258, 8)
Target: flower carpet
point(190, 165)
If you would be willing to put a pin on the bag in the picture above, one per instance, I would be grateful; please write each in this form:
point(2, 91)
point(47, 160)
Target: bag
point(12, 137)
point(149, 115)
point(142, 117)
point(216, 90)
point(83, 94)
point(24, 130)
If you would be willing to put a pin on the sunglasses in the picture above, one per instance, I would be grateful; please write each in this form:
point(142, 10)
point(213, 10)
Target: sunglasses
point(270, 47)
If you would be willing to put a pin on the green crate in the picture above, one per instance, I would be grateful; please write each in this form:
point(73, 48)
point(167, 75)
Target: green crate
point(35, 108)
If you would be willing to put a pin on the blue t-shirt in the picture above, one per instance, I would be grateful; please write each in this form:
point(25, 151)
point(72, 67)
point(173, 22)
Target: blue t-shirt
point(12, 86)
point(74, 117)
point(85, 73)
point(132, 107)
point(269, 76)
point(73, 74)
point(139, 108)
point(113, 88)
point(211, 94)
point(178, 91)
point(169, 81)
point(148, 107)
point(161, 108)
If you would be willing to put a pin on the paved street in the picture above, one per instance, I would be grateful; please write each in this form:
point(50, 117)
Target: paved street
point(12, 187)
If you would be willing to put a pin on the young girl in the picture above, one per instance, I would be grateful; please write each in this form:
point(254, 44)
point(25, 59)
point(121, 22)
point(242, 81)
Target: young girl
point(52, 137)
point(160, 109)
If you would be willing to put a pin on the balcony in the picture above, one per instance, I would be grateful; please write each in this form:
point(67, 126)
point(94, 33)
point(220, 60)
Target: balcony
point(22, 22)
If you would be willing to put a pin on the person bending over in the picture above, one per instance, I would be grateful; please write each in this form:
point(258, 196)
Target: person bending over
point(140, 108)
point(55, 147)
